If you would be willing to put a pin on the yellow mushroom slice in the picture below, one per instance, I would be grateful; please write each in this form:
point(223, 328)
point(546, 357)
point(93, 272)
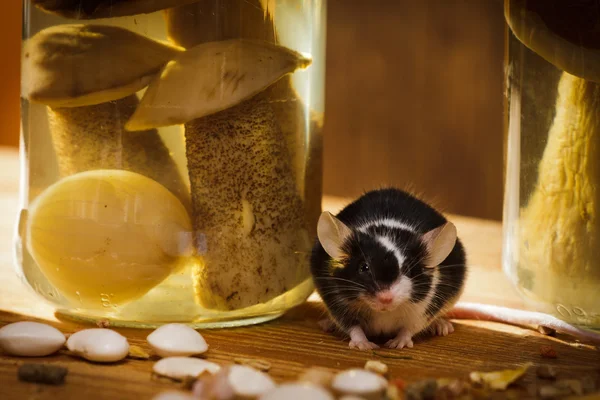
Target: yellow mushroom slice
point(559, 239)
point(564, 34)
point(103, 238)
point(88, 75)
point(247, 213)
point(93, 9)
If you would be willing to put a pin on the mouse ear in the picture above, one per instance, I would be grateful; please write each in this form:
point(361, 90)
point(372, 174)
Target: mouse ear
point(332, 234)
point(439, 243)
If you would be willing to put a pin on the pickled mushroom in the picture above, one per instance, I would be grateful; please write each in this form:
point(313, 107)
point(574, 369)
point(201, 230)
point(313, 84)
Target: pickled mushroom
point(88, 75)
point(559, 225)
point(247, 213)
point(564, 34)
point(92, 9)
point(212, 20)
point(212, 77)
point(106, 237)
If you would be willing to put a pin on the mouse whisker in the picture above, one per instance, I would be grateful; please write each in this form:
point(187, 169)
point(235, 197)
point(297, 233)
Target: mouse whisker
point(340, 279)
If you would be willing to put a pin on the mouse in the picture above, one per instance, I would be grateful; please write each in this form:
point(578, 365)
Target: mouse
point(389, 265)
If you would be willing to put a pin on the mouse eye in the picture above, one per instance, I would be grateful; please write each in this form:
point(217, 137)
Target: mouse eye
point(363, 268)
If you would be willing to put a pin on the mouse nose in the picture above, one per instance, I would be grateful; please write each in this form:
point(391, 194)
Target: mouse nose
point(385, 297)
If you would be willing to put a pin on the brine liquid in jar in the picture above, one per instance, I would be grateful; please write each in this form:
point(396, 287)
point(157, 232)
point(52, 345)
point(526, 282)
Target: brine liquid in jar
point(171, 157)
point(552, 225)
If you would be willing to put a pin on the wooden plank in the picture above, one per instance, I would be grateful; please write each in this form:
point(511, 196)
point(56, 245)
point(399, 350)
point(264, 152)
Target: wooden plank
point(414, 96)
point(294, 341)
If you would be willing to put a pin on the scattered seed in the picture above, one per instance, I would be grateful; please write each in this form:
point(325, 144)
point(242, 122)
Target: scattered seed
point(499, 380)
point(178, 368)
point(30, 339)
point(99, 344)
point(548, 352)
point(248, 382)
point(176, 340)
point(376, 366)
point(546, 372)
point(359, 382)
point(42, 373)
point(138, 353)
point(260, 365)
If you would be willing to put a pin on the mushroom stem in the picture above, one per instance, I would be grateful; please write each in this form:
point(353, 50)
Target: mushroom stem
point(248, 167)
point(559, 226)
point(246, 207)
point(93, 137)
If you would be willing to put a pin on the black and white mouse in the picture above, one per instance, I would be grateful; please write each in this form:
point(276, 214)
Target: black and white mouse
point(390, 265)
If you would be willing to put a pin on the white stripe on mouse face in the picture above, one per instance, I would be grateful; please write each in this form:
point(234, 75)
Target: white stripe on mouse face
point(389, 245)
point(387, 222)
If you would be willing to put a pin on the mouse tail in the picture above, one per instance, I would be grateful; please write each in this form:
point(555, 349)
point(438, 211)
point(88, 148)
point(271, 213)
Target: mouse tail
point(512, 316)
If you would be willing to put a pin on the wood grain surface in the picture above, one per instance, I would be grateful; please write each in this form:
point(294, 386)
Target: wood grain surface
point(292, 342)
point(414, 97)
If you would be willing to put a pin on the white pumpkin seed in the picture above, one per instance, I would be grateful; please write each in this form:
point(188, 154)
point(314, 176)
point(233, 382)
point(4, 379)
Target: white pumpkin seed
point(359, 382)
point(172, 340)
point(99, 344)
point(249, 382)
point(297, 391)
point(183, 367)
point(30, 339)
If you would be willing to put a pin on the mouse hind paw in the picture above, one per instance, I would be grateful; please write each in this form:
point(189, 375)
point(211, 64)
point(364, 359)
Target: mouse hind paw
point(403, 339)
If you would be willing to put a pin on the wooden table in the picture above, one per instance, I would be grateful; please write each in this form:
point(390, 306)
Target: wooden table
point(292, 342)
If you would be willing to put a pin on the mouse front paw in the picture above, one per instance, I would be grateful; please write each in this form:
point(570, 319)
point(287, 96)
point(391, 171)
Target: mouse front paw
point(402, 340)
point(362, 345)
point(441, 327)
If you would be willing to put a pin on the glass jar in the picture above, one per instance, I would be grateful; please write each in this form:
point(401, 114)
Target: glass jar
point(171, 155)
point(551, 219)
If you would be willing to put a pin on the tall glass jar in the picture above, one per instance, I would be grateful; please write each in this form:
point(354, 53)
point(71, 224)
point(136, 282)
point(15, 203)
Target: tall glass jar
point(171, 155)
point(552, 192)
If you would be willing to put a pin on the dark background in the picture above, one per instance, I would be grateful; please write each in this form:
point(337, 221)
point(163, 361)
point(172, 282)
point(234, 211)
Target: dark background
point(414, 97)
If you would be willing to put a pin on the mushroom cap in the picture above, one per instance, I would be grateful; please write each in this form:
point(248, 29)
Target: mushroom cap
point(564, 33)
point(95, 9)
point(78, 65)
point(212, 77)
